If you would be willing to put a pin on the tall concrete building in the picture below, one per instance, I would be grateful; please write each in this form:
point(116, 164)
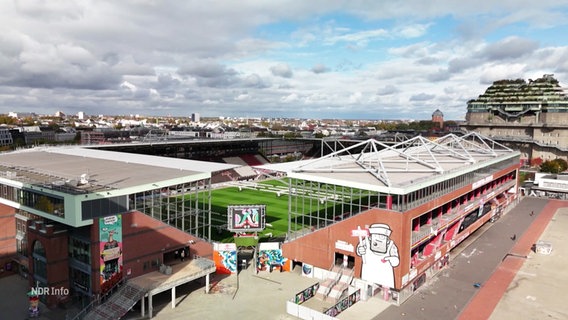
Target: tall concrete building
point(531, 116)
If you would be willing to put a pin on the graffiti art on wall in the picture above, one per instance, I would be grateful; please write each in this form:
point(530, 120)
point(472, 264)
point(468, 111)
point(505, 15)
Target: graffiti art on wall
point(225, 257)
point(229, 260)
point(268, 259)
point(344, 304)
point(307, 270)
point(110, 236)
point(306, 294)
point(379, 254)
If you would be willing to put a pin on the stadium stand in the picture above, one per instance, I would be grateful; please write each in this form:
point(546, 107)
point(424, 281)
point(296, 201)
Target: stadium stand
point(224, 176)
point(235, 160)
point(245, 172)
point(261, 159)
point(252, 159)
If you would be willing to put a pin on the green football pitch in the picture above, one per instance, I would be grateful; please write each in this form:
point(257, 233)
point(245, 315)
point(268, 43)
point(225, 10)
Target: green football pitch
point(271, 193)
point(276, 209)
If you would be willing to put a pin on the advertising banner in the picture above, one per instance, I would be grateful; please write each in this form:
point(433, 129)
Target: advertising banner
point(110, 236)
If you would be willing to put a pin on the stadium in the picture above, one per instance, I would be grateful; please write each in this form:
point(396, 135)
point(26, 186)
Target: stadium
point(374, 218)
point(421, 197)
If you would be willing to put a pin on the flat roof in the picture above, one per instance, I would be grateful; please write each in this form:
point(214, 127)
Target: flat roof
point(102, 169)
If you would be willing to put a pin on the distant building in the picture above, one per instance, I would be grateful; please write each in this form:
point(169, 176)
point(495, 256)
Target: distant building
point(21, 115)
point(5, 137)
point(529, 116)
point(547, 185)
point(438, 117)
point(195, 117)
point(81, 115)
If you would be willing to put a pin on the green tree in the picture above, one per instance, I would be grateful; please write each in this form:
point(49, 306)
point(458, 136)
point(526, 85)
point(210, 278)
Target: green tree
point(7, 120)
point(562, 164)
point(550, 166)
point(292, 135)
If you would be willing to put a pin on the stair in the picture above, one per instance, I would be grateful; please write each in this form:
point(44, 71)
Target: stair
point(332, 278)
point(340, 289)
point(118, 304)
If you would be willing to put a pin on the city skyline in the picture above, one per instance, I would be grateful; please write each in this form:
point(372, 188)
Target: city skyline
point(316, 59)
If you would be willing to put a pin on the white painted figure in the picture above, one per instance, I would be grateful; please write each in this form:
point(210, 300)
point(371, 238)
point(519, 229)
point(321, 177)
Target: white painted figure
point(380, 255)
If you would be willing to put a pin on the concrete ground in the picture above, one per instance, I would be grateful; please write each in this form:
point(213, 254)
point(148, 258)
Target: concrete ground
point(246, 296)
point(512, 286)
point(538, 288)
point(14, 301)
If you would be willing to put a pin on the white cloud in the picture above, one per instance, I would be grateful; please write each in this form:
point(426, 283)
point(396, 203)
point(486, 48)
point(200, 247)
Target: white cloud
point(310, 58)
point(282, 70)
point(242, 97)
point(293, 97)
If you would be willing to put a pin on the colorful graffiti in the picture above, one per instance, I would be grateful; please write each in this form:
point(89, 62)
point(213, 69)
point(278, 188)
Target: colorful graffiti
point(343, 304)
point(245, 218)
point(110, 236)
point(225, 257)
point(269, 259)
point(306, 294)
point(307, 270)
point(229, 260)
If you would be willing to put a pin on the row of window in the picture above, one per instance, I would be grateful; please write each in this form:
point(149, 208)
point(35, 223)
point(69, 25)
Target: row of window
point(319, 205)
point(311, 205)
point(419, 197)
point(178, 205)
point(33, 199)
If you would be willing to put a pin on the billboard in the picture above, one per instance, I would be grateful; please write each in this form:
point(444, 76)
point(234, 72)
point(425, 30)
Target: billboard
point(110, 236)
point(246, 218)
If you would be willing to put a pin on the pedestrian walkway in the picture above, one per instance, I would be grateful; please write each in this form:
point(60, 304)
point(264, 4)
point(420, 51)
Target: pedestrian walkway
point(527, 278)
point(450, 292)
point(14, 301)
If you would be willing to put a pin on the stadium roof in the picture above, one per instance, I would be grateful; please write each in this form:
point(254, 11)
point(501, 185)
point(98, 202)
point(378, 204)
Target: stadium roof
point(403, 167)
point(102, 169)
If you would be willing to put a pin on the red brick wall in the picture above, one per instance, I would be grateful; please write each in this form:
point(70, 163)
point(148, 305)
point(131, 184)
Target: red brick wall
point(145, 240)
point(318, 248)
point(7, 234)
point(57, 255)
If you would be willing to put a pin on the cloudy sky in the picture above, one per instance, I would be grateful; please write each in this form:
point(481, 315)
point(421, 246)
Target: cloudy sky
point(396, 59)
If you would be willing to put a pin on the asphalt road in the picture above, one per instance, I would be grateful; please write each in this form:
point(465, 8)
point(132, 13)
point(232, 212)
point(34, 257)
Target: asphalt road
point(445, 295)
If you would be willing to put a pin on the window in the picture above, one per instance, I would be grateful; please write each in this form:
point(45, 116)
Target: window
point(79, 250)
point(39, 201)
point(39, 250)
point(40, 263)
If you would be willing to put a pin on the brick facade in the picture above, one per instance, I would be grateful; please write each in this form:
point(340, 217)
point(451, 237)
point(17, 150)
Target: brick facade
point(7, 236)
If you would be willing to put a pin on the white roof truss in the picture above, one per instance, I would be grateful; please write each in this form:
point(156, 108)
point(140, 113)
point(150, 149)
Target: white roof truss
point(416, 155)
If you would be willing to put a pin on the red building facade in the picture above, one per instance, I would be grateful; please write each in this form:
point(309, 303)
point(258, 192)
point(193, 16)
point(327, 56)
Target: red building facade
point(403, 239)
